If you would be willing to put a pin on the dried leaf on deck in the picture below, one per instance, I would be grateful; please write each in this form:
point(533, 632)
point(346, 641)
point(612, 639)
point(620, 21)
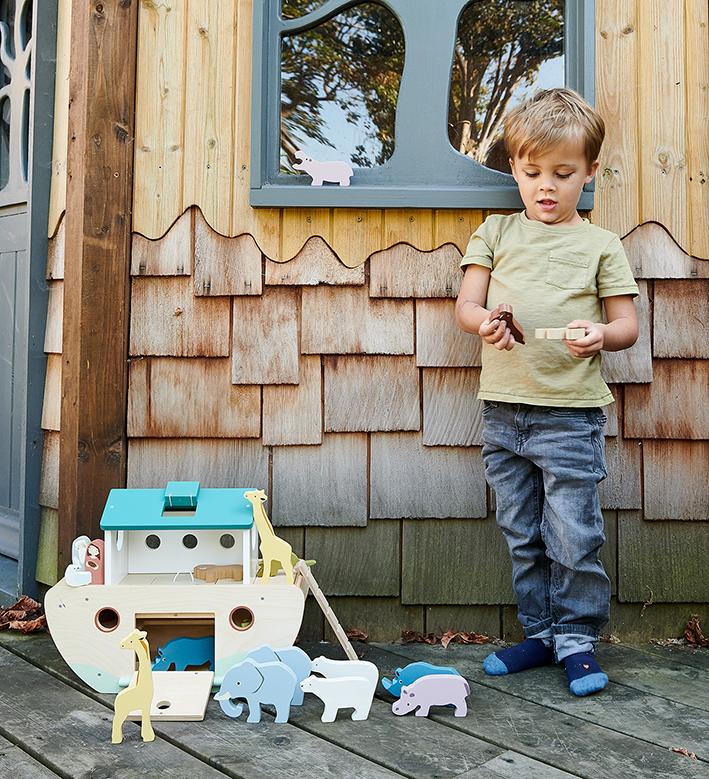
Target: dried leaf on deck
point(25, 615)
point(354, 634)
point(684, 751)
point(414, 637)
point(463, 637)
point(693, 632)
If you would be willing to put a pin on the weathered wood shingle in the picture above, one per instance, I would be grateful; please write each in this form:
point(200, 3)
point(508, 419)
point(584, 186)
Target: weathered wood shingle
point(265, 338)
point(345, 320)
point(167, 319)
point(49, 477)
point(409, 479)
point(440, 343)
point(321, 485)
point(455, 561)
point(55, 318)
point(676, 479)
point(673, 406)
point(621, 489)
point(52, 403)
point(225, 266)
point(366, 393)
point(452, 416)
point(405, 272)
point(662, 561)
point(315, 263)
point(171, 398)
point(214, 462)
point(171, 255)
point(55, 253)
point(654, 254)
point(681, 318)
point(357, 560)
point(292, 413)
point(633, 364)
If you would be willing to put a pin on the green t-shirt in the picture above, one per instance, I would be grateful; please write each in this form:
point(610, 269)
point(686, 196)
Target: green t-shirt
point(550, 275)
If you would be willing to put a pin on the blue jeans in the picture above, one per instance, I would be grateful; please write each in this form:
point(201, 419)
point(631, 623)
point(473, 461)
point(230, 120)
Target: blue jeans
point(544, 465)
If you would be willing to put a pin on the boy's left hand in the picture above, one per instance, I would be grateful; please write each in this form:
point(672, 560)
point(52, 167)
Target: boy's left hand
point(591, 343)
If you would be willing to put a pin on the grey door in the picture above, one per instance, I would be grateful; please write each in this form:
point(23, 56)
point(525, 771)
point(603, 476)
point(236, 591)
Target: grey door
point(14, 239)
point(15, 61)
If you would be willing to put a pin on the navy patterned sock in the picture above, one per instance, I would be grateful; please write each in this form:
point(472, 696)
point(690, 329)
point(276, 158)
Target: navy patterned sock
point(584, 674)
point(531, 653)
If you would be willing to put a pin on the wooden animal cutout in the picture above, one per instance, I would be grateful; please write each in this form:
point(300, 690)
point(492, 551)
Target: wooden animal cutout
point(76, 574)
point(560, 333)
point(95, 561)
point(435, 690)
point(341, 692)
point(336, 171)
point(184, 652)
point(138, 696)
point(503, 312)
point(272, 547)
point(406, 676)
point(212, 573)
point(267, 683)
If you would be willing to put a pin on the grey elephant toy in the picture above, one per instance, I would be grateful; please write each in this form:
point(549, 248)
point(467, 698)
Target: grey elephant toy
point(258, 683)
point(294, 657)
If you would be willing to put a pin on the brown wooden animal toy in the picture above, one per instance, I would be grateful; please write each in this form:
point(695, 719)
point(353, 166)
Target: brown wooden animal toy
point(503, 312)
point(138, 696)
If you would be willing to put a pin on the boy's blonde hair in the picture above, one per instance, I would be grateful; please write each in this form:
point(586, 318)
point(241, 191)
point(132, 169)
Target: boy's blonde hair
point(549, 117)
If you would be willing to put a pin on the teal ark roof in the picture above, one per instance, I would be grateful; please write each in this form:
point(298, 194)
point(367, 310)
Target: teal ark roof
point(179, 506)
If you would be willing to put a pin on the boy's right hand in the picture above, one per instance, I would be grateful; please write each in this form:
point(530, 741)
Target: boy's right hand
point(497, 333)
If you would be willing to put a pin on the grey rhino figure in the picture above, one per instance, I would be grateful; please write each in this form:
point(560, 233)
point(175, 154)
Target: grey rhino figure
point(294, 657)
point(258, 683)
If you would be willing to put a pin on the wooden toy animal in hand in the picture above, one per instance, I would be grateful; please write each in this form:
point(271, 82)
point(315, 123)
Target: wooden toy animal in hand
point(503, 312)
point(272, 547)
point(138, 696)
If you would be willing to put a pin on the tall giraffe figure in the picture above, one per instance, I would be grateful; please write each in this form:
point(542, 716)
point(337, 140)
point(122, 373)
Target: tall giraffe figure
point(272, 547)
point(139, 695)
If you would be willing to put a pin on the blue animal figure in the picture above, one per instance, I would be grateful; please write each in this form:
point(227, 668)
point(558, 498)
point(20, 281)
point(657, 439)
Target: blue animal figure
point(258, 683)
point(410, 673)
point(294, 657)
point(184, 652)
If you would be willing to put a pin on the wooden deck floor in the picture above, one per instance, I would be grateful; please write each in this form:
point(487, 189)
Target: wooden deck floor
point(525, 726)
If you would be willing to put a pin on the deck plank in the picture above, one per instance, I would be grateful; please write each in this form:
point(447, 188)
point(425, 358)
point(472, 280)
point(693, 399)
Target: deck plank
point(679, 653)
point(650, 718)
point(510, 765)
point(570, 743)
point(19, 765)
point(72, 733)
point(234, 747)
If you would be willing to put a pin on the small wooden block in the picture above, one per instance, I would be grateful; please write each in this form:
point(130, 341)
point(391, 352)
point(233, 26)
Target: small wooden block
point(503, 312)
point(560, 333)
point(179, 696)
point(212, 573)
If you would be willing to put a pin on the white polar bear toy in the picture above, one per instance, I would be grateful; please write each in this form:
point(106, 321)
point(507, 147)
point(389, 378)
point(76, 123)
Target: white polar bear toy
point(336, 171)
point(344, 692)
point(333, 669)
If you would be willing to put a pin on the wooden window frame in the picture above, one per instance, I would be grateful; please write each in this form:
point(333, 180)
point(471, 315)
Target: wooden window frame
point(408, 183)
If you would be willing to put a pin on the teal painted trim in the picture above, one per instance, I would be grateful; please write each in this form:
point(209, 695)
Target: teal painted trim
point(97, 679)
point(441, 178)
point(217, 509)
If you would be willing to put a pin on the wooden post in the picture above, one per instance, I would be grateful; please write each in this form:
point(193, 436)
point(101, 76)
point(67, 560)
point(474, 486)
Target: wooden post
point(92, 454)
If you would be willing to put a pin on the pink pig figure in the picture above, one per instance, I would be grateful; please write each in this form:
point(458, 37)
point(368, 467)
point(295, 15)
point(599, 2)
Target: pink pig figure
point(433, 690)
point(335, 171)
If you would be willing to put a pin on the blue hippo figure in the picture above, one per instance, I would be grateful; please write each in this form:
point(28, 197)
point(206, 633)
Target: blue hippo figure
point(184, 652)
point(294, 657)
point(409, 674)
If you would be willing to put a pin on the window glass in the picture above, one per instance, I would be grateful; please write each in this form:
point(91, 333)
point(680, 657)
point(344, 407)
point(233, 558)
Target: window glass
point(339, 86)
point(505, 50)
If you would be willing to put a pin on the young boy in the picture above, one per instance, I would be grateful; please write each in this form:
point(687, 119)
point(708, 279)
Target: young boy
point(543, 425)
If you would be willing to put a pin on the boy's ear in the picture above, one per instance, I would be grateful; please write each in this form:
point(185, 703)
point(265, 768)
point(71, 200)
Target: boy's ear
point(512, 168)
point(592, 169)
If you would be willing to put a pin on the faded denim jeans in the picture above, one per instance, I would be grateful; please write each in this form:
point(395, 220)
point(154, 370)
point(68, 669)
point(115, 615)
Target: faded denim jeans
point(544, 464)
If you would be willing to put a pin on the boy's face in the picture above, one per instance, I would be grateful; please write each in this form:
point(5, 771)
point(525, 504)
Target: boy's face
point(551, 184)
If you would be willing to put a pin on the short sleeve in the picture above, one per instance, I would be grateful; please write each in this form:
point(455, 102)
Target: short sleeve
point(481, 246)
point(614, 274)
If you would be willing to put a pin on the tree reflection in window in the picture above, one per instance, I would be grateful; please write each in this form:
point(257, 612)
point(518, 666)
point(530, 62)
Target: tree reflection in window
point(504, 50)
point(339, 86)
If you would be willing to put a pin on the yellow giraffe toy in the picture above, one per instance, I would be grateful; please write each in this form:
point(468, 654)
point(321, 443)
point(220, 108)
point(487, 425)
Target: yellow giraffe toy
point(139, 695)
point(272, 547)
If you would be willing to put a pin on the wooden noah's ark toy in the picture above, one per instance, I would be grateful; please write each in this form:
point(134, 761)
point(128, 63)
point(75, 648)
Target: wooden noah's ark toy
point(157, 543)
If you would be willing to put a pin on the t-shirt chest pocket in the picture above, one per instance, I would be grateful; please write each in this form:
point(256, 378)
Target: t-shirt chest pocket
point(567, 270)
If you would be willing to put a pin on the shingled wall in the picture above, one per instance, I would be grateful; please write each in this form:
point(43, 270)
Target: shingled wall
point(349, 395)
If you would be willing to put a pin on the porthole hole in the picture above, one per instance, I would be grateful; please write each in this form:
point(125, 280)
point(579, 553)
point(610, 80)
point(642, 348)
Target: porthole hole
point(189, 541)
point(152, 541)
point(107, 619)
point(241, 618)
